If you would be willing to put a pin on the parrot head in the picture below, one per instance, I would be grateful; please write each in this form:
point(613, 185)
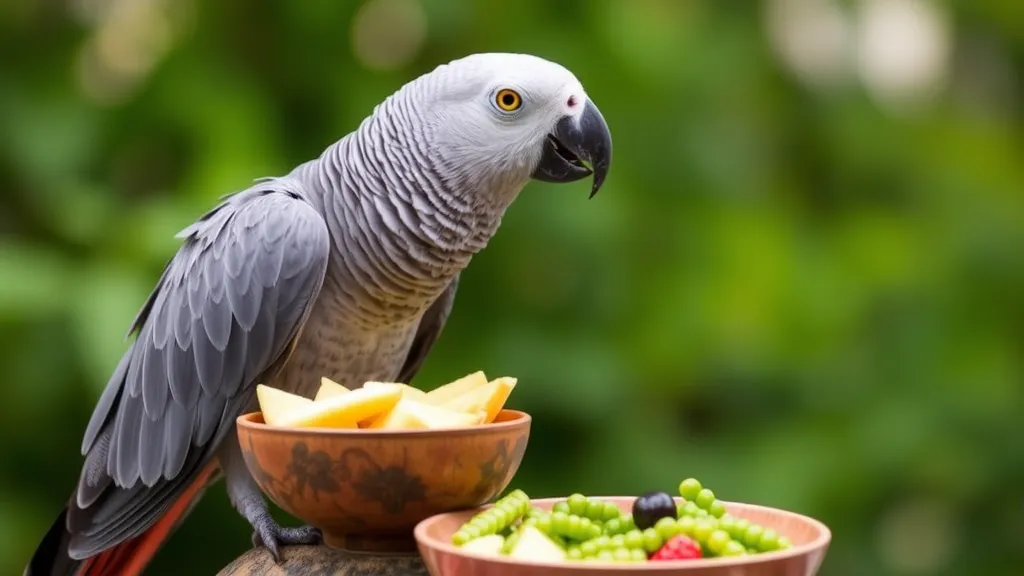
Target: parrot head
point(504, 119)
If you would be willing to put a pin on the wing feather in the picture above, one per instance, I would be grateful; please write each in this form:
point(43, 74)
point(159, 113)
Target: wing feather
point(227, 307)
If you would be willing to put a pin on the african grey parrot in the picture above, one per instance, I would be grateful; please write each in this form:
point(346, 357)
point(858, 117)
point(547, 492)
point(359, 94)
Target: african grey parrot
point(346, 267)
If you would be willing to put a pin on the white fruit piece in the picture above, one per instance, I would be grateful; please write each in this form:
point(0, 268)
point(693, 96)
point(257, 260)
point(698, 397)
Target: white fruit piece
point(278, 405)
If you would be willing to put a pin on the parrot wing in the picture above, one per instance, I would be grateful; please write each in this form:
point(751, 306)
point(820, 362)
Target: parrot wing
point(428, 331)
point(226, 310)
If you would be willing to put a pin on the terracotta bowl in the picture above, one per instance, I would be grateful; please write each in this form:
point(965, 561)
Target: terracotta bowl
point(810, 540)
point(367, 489)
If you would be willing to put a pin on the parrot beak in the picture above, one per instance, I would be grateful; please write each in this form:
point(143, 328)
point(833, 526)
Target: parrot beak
point(577, 139)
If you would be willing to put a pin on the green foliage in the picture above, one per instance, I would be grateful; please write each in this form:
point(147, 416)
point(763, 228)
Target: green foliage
point(794, 293)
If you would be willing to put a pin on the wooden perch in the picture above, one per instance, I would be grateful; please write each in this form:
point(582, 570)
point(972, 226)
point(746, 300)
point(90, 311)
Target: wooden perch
point(321, 560)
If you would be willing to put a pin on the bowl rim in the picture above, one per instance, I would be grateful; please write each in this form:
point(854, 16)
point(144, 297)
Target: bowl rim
point(820, 543)
point(518, 419)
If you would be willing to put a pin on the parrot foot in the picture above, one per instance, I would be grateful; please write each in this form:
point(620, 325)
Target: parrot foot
point(267, 532)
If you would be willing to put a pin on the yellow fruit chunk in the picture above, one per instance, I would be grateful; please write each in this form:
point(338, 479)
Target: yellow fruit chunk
point(489, 398)
point(408, 392)
point(329, 389)
point(346, 410)
point(277, 405)
point(450, 391)
point(413, 415)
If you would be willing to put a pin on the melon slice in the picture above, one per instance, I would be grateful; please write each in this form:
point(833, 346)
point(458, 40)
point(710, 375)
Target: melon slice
point(345, 410)
point(408, 392)
point(534, 545)
point(278, 405)
point(489, 545)
point(442, 394)
point(489, 398)
point(329, 389)
point(413, 415)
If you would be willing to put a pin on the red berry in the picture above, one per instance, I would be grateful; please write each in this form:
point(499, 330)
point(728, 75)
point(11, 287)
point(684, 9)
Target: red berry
point(678, 548)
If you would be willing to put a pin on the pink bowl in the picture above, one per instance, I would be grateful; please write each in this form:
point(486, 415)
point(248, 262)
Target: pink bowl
point(810, 540)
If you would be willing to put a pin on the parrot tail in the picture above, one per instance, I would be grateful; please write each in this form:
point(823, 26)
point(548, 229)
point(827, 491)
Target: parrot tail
point(129, 558)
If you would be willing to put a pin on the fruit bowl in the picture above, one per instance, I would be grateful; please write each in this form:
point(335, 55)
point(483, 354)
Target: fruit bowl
point(810, 540)
point(367, 489)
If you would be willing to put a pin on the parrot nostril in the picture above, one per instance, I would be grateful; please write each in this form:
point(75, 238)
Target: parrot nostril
point(571, 103)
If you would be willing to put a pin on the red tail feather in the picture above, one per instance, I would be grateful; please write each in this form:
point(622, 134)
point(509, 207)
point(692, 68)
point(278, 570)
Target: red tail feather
point(131, 557)
point(128, 558)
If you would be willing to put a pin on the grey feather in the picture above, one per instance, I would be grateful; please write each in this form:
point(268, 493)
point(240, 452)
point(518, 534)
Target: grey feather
point(428, 331)
point(167, 407)
point(154, 398)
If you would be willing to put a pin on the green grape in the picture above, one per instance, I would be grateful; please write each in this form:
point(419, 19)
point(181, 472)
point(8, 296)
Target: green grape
point(559, 522)
point(595, 509)
point(612, 526)
point(705, 498)
point(689, 489)
point(638, 554)
point(652, 540)
point(769, 540)
point(717, 509)
point(620, 554)
point(726, 522)
point(733, 548)
point(460, 537)
point(602, 542)
point(505, 512)
point(605, 556)
point(573, 528)
point(619, 525)
point(562, 507)
point(627, 522)
point(685, 525)
point(543, 523)
point(534, 512)
point(667, 528)
point(634, 539)
point(558, 540)
point(492, 523)
point(610, 512)
point(577, 504)
point(702, 530)
point(502, 517)
point(510, 542)
point(516, 494)
point(574, 553)
point(472, 531)
point(739, 528)
point(784, 543)
point(689, 509)
point(618, 541)
point(753, 536)
point(717, 542)
point(588, 548)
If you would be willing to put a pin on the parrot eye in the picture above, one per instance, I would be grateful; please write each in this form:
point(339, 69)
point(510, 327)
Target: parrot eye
point(508, 100)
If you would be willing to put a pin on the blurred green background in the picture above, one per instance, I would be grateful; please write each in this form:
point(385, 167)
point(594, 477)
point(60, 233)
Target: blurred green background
point(802, 284)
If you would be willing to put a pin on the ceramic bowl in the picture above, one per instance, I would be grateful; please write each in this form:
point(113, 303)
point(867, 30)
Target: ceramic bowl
point(810, 540)
point(367, 489)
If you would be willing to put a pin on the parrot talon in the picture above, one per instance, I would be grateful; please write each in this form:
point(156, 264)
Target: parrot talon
point(270, 535)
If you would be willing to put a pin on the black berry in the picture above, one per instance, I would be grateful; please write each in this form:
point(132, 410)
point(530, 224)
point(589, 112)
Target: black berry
point(651, 507)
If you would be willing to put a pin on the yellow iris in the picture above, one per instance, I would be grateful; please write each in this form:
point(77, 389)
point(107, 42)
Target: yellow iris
point(508, 100)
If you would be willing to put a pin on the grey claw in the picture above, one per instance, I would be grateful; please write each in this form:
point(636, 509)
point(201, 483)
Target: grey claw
point(270, 535)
